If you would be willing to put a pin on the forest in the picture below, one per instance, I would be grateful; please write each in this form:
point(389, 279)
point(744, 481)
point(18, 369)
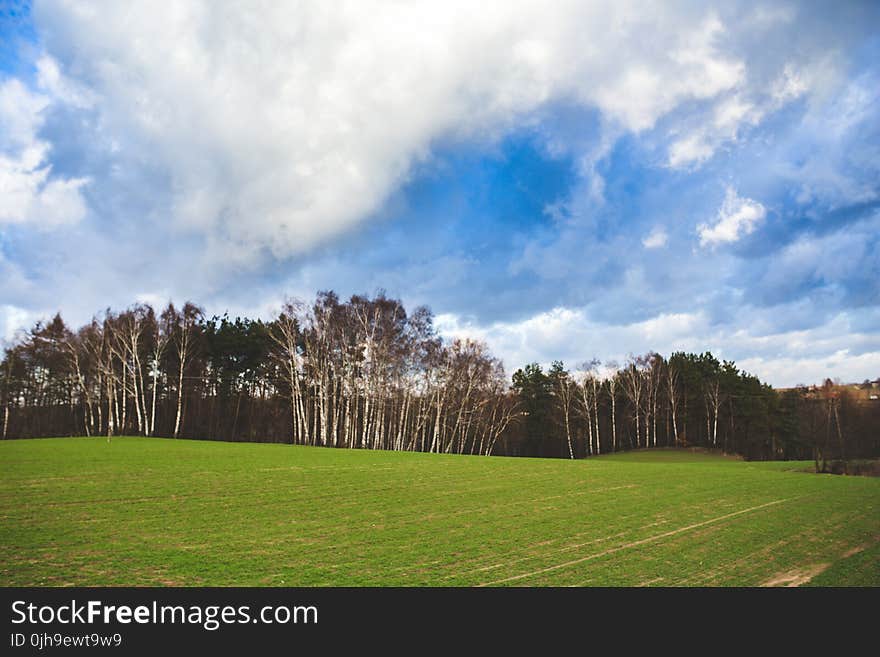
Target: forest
point(365, 373)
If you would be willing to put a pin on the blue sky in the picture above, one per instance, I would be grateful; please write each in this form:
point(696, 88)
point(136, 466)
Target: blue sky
point(597, 180)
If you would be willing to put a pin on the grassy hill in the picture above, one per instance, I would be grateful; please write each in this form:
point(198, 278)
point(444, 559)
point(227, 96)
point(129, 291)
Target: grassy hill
point(148, 511)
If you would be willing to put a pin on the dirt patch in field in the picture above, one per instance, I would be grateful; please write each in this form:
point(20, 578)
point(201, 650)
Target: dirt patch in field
point(650, 581)
point(796, 577)
point(855, 550)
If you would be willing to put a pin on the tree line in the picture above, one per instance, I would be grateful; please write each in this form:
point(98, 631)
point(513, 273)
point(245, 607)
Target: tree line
point(365, 373)
point(689, 400)
point(359, 374)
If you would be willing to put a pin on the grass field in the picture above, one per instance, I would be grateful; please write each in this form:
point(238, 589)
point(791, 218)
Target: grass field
point(186, 513)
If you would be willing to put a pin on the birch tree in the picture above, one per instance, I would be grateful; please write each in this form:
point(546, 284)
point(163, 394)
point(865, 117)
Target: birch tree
point(564, 393)
point(634, 381)
point(612, 394)
point(712, 394)
point(672, 394)
point(589, 388)
point(184, 326)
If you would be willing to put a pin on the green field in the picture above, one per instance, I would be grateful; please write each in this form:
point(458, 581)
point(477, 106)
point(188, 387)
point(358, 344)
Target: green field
point(147, 511)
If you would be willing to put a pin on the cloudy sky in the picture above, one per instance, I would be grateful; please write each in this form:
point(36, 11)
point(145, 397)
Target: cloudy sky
point(564, 180)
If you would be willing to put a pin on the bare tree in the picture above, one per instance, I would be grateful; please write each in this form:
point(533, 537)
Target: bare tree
point(588, 388)
point(712, 396)
point(634, 381)
point(564, 391)
point(286, 334)
point(7, 390)
point(671, 381)
point(612, 393)
point(77, 354)
point(654, 376)
point(184, 329)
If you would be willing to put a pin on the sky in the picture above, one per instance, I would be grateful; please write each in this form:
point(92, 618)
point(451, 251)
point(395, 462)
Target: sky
point(567, 180)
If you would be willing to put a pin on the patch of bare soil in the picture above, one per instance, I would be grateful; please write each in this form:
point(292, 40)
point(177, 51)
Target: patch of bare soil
point(855, 550)
point(796, 577)
point(650, 581)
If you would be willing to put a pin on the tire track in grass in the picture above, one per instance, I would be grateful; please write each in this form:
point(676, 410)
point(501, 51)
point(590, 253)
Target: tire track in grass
point(483, 510)
point(449, 562)
point(557, 550)
point(568, 547)
point(748, 563)
point(626, 546)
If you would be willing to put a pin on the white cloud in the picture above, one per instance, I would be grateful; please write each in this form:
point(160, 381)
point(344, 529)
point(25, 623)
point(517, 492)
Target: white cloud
point(569, 334)
point(28, 197)
point(12, 320)
point(788, 372)
point(693, 149)
point(722, 124)
point(736, 218)
point(731, 112)
point(724, 120)
point(643, 93)
point(59, 87)
point(791, 84)
point(27, 192)
point(21, 113)
point(283, 126)
point(656, 239)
